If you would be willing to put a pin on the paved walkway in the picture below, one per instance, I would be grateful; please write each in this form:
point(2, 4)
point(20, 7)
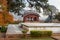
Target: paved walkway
point(56, 37)
point(13, 29)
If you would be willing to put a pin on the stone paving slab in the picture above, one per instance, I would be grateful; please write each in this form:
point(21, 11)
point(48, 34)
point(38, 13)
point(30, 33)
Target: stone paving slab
point(56, 37)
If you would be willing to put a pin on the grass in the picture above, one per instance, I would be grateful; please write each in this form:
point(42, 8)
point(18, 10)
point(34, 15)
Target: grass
point(36, 39)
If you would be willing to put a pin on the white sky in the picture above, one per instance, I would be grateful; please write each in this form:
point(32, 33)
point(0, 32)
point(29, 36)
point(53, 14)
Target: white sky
point(56, 3)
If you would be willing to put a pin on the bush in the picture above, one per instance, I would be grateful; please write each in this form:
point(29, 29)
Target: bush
point(35, 33)
point(24, 31)
point(3, 29)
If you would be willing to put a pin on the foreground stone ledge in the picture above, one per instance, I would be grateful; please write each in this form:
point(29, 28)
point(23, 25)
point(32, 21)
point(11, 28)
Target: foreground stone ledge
point(1, 38)
point(16, 35)
point(9, 38)
point(13, 35)
point(27, 35)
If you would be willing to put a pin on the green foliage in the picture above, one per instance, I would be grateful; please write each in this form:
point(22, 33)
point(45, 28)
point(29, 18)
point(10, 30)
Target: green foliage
point(3, 29)
point(15, 6)
point(16, 22)
point(35, 33)
point(44, 0)
point(38, 4)
point(40, 0)
point(24, 31)
point(58, 16)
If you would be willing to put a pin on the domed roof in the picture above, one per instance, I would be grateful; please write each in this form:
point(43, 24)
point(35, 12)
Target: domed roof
point(30, 12)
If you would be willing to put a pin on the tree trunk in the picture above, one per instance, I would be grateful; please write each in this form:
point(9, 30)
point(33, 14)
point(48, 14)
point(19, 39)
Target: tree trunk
point(51, 17)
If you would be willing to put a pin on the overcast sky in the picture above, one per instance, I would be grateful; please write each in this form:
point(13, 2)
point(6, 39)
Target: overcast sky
point(56, 3)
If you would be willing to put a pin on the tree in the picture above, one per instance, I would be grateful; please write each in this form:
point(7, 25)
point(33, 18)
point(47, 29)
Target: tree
point(16, 6)
point(43, 4)
point(37, 3)
point(5, 17)
point(57, 16)
point(50, 14)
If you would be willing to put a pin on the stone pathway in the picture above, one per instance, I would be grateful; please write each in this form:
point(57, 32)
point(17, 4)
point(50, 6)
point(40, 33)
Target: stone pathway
point(13, 29)
point(56, 37)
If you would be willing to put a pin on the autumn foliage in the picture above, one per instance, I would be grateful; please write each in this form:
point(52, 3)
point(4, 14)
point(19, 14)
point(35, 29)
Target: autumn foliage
point(5, 18)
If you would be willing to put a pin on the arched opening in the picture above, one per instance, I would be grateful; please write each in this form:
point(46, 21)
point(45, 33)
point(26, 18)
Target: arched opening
point(35, 19)
point(31, 18)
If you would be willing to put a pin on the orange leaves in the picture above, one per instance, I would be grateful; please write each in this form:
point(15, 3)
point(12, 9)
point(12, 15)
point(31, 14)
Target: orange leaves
point(5, 18)
point(9, 18)
point(1, 20)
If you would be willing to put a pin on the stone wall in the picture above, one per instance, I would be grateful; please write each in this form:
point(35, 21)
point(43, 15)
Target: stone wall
point(13, 36)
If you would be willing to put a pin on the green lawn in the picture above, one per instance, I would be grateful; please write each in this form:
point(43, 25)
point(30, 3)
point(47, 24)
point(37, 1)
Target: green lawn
point(37, 39)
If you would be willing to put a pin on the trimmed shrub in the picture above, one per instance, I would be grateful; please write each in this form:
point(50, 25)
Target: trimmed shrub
point(24, 31)
point(36, 33)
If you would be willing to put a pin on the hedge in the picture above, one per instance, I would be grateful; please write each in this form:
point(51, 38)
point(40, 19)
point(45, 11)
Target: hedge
point(36, 33)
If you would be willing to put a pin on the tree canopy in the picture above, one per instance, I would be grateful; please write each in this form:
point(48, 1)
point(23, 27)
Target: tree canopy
point(5, 16)
point(16, 5)
point(58, 16)
point(38, 3)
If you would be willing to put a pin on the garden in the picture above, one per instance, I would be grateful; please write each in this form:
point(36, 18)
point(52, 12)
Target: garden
point(39, 35)
point(34, 35)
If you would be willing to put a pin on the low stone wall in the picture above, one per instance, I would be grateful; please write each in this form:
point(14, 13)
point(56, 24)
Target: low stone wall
point(20, 35)
point(9, 38)
point(16, 35)
point(2, 39)
point(13, 35)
